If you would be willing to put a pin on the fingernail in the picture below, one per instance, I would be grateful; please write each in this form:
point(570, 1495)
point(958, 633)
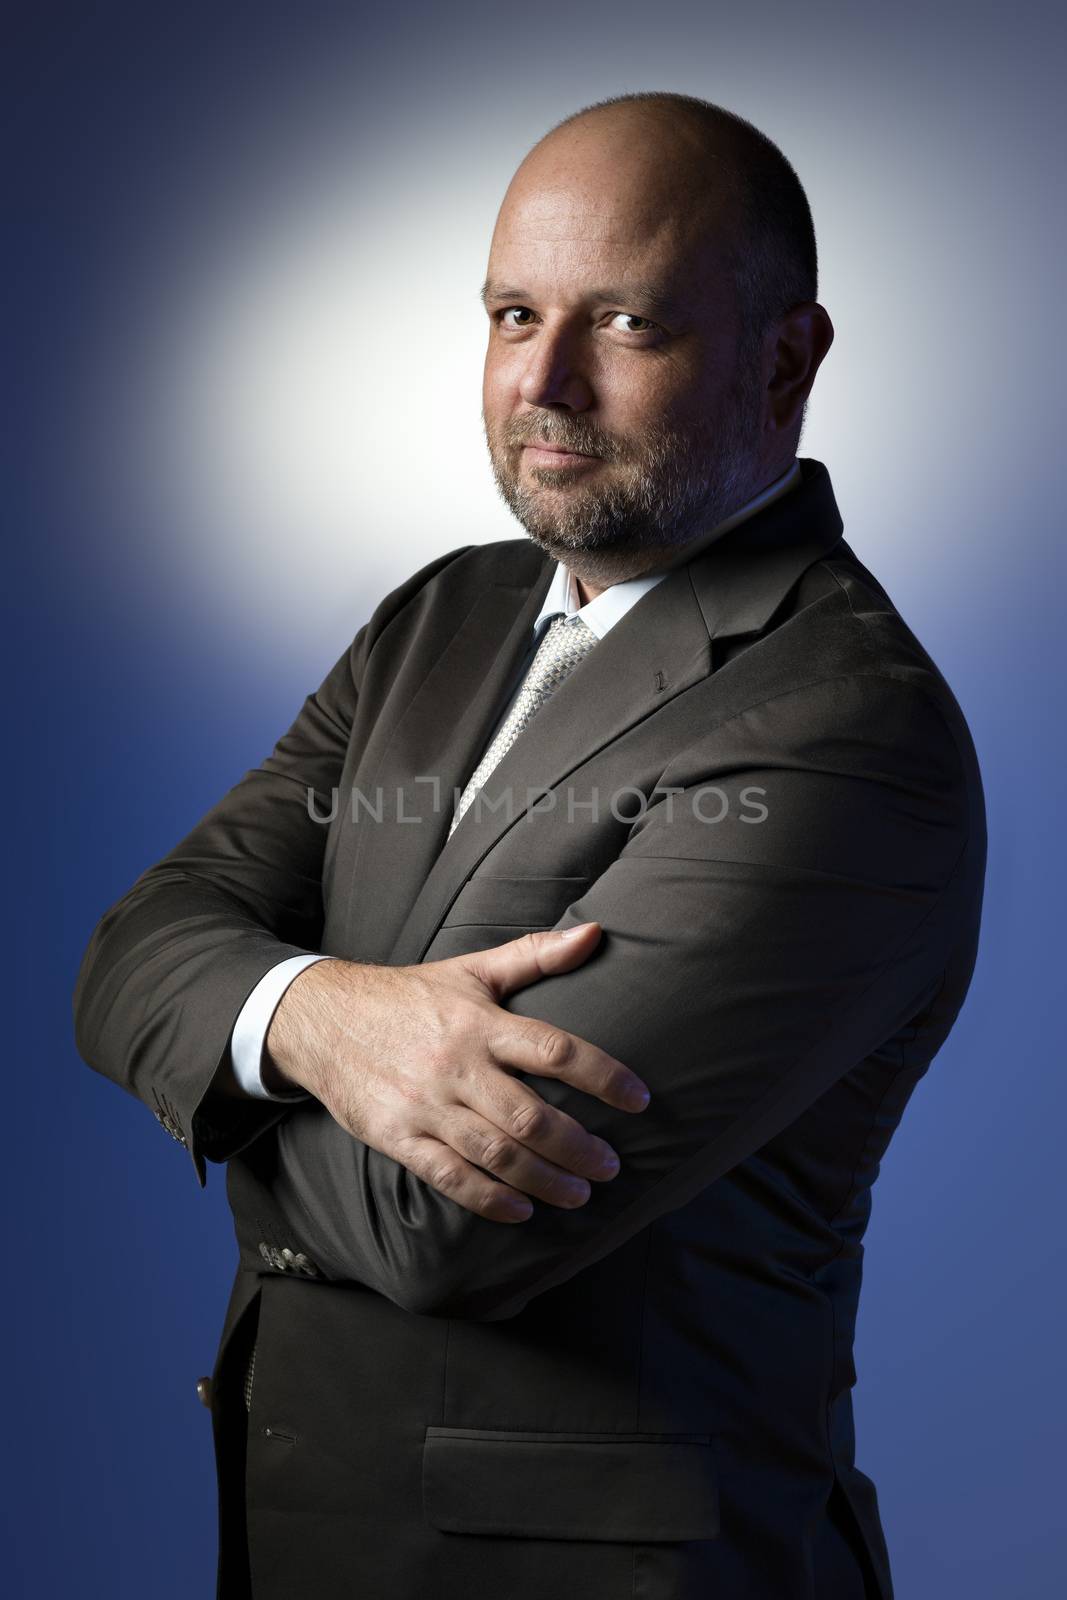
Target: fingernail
point(639, 1099)
point(567, 933)
point(521, 1209)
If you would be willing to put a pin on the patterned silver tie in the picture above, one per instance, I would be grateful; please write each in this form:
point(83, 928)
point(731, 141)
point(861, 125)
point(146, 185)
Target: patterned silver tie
point(566, 641)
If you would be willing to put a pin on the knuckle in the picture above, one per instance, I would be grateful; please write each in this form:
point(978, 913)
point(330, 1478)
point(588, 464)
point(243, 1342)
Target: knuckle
point(436, 1059)
point(528, 1120)
point(410, 1088)
point(554, 1047)
point(442, 1175)
point(407, 1148)
point(399, 1144)
point(393, 1139)
point(497, 1153)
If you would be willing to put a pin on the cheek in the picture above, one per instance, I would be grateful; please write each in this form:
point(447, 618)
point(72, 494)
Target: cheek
point(500, 379)
point(640, 393)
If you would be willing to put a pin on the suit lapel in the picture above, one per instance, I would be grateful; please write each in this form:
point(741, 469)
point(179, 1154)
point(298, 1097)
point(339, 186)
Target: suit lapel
point(659, 648)
point(435, 746)
point(742, 579)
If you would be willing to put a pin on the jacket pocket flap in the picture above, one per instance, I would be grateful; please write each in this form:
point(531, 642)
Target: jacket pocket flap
point(635, 1487)
point(514, 902)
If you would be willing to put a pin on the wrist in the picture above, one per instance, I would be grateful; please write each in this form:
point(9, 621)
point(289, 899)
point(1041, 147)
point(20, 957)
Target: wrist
point(288, 1045)
point(275, 1079)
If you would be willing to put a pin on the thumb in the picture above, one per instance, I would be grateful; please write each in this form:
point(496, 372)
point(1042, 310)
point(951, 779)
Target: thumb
point(512, 966)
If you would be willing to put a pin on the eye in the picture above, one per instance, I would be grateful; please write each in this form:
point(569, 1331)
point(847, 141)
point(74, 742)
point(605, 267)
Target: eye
point(519, 311)
point(516, 317)
point(628, 318)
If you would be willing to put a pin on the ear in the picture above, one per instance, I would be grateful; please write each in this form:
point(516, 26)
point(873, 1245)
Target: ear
point(801, 340)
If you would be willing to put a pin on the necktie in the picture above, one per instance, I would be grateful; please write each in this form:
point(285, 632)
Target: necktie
point(566, 641)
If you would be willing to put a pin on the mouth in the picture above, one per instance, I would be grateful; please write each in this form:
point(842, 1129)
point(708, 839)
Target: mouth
point(547, 455)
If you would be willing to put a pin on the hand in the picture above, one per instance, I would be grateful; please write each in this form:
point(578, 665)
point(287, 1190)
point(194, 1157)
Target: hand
point(417, 1062)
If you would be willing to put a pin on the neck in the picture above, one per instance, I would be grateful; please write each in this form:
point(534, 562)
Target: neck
point(595, 574)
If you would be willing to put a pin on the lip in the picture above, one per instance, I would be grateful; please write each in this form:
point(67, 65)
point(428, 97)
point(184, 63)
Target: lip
point(548, 455)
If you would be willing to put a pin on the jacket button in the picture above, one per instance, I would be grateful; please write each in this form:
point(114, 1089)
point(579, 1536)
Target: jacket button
point(203, 1391)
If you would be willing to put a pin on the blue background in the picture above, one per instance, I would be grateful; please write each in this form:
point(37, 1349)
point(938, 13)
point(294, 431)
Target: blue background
point(242, 330)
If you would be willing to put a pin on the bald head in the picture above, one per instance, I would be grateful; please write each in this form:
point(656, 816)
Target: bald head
point(630, 172)
point(740, 183)
point(646, 329)
point(623, 203)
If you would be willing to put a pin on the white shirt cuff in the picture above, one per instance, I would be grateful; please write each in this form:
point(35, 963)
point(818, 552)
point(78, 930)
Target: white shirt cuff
point(248, 1040)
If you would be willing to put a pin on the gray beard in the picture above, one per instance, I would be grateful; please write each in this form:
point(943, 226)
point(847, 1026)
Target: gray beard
point(682, 485)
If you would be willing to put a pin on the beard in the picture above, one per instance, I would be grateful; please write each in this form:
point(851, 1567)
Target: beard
point(653, 497)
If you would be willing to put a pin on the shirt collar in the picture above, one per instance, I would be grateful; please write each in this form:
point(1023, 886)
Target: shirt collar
point(604, 610)
point(600, 613)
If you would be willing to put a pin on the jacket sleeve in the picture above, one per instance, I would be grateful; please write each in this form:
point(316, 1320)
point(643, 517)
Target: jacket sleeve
point(169, 967)
point(746, 963)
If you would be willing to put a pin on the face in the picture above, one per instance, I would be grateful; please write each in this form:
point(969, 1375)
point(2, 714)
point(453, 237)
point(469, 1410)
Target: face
point(622, 412)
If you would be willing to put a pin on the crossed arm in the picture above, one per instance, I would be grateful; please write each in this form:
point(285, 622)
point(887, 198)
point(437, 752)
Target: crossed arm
point(171, 964)
point(744, 967)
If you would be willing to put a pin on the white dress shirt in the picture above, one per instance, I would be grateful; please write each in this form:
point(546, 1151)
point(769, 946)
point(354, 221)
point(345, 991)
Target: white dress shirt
point(600, 614)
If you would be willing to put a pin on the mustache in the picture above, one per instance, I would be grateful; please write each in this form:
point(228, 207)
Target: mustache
point(564, 435)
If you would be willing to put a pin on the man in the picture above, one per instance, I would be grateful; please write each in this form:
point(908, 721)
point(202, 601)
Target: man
point(663, 796)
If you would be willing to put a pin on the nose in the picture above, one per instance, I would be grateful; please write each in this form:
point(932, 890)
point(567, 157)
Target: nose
point(553, 378)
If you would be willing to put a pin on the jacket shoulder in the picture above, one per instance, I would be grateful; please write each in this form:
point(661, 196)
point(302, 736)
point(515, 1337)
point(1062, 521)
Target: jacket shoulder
point(448, 580)
point(509, 561)
point(854, 627)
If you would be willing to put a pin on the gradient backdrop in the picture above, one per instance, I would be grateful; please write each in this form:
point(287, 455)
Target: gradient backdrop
point(245, 347)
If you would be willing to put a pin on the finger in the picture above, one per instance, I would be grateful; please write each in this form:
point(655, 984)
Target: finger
point(530, 1045)
point(489, 1147)
point(518, 1111)
point(512, 966)
point(445, 1170)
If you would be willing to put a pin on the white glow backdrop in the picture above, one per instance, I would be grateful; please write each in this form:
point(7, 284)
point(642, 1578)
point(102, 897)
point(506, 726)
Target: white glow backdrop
point(282, 400)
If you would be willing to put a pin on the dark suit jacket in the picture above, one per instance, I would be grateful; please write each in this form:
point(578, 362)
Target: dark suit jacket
point(649, 1395)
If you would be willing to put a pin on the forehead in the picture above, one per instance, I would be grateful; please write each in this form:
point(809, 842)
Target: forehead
point(557, 244)
point(611, 213)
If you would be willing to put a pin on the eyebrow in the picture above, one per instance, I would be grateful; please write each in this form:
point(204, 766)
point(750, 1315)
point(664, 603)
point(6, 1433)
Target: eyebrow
point(644, 294)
